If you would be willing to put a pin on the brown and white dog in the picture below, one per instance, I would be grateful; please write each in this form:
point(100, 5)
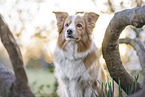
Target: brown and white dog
point(76, 57)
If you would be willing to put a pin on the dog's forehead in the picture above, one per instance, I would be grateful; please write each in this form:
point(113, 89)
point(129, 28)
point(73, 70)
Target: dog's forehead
point(74, 18)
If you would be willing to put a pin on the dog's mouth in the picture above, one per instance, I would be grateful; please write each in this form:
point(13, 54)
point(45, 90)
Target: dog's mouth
point(70, 37)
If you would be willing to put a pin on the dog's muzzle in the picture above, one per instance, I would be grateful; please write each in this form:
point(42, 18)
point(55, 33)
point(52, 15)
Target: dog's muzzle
point(70, 35)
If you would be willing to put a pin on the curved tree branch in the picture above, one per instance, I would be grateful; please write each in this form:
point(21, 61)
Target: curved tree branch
point(140, 49)
point(20, 87)
point(138, 46)
point(110, 46)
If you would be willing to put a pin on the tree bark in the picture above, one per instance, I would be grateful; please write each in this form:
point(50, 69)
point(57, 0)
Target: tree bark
point(110, 46)
point(140, 49)
point(19, 88)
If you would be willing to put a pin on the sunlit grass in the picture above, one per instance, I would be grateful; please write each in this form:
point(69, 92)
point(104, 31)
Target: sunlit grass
point(108, 89)
point(42, 82)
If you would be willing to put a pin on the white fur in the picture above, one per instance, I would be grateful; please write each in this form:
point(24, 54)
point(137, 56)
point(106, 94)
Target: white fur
point(69, 67)
point(71, 26)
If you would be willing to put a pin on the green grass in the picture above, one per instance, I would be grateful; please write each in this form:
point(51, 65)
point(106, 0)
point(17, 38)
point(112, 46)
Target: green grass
point(42, 82)
point(109, 89)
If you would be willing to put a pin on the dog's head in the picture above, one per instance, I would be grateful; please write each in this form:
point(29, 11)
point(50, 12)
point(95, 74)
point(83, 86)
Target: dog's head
point(75, 26)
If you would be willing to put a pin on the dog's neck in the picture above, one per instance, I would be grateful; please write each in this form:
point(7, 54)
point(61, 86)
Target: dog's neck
point(71, 52)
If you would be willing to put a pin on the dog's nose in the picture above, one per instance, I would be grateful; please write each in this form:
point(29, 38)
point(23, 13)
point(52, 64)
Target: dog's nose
point(69, 31)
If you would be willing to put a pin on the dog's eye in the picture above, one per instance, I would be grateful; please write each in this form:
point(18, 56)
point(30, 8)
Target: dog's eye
point(79, 25)
point(66, 24)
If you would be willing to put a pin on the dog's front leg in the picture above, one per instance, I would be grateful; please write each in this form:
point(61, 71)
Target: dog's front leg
point(64, 92)
point(75, 89)
point(63, 89)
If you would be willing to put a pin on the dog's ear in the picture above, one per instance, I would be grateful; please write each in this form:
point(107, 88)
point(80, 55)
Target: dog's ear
point(60, 16)
point(90, 20)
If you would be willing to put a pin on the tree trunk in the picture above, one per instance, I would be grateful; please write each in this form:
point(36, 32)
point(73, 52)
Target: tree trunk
point(16, 86)
point(110, 46)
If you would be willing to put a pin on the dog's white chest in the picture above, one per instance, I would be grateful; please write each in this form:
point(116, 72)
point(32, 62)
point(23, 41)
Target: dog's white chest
point(69, 63)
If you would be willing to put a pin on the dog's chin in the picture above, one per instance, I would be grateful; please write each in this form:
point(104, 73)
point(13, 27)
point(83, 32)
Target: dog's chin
point(71, 38)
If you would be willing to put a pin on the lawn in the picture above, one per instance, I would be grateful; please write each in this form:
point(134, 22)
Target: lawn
point(42, 82)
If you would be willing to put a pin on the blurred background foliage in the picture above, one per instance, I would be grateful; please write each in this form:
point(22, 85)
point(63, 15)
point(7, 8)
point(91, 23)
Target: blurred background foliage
point(34, 27)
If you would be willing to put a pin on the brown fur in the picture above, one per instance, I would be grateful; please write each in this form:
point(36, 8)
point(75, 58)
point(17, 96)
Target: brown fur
point(85, 42)
point(60, 16)
point(90, 59)
point(90, 19)
point(61, 42)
